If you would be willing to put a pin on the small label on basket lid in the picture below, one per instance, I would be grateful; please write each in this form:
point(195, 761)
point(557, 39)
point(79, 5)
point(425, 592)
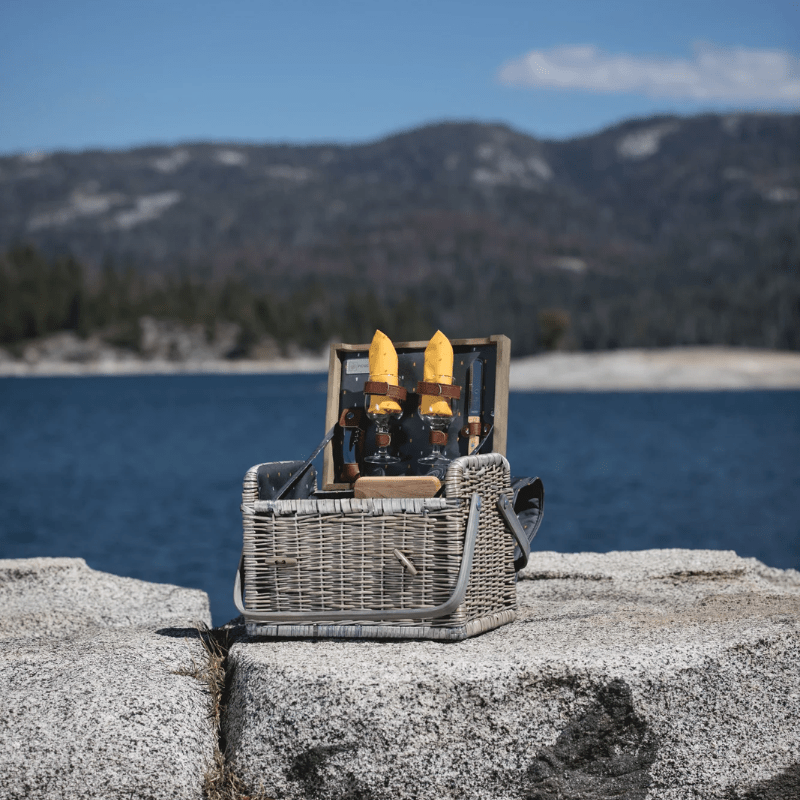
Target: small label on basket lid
point(357, 366)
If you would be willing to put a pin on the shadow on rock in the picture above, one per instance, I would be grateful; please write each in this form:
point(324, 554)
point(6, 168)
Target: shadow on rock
point(179, 633)
point(307, 770)
point(782, 786)
point(607, 752)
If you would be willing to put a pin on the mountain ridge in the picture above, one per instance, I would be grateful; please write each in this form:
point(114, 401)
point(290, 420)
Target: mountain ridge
point(639, 233)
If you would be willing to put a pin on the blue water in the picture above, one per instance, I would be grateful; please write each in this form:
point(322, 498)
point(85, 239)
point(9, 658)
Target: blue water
point(141, 476)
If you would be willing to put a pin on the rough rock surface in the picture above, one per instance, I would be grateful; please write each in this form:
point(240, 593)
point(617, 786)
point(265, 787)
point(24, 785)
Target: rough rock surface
point(54, 596)
point(101, 714)
point(658, 674)
point(98, 697)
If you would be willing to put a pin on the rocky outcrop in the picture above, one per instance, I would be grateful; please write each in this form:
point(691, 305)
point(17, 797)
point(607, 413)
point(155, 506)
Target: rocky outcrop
point(168, 340)
point(100, 696)
point(104, 713)
point(662, 674)
point(160, 347)
point(659, 674)
point(55, 597)
point(154, 340)
point(66, 347)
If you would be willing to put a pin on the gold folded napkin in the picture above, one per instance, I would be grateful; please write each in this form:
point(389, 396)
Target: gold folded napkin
point(382, 369)
point(438, 369)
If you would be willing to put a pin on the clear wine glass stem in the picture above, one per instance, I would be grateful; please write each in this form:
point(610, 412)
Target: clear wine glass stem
point(382, 455)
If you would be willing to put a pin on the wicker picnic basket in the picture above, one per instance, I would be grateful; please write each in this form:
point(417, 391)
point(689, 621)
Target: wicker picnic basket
point(323, 563)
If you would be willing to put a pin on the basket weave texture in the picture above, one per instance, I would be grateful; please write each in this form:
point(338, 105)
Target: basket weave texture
point(325, 555)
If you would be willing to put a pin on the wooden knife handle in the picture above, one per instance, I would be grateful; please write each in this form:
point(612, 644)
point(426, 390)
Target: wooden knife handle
point(401, 486)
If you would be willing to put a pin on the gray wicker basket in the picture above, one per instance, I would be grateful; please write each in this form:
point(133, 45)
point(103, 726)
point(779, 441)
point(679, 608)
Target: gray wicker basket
point(408, 568)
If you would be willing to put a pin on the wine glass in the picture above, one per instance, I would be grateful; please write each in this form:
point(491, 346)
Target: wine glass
point(383, 438)
point(439, 425)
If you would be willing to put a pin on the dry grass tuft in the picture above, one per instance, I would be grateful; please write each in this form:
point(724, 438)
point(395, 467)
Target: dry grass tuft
point(220, 782)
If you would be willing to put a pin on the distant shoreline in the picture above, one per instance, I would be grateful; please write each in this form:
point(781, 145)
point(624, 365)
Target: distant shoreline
point(135, 366)
point(682, 368)
point(671, 369)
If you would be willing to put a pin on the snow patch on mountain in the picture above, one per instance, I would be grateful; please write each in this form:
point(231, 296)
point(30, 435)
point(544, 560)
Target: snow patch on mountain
point(231, 158)
point(172, 161)
point(504, 168)
point(81, 203)
point(148, 207)
point(645, 142)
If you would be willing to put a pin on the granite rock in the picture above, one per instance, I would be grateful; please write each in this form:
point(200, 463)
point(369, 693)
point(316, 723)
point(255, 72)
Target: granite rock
point(104, 713)
point(49, 597)
point(658, 674)
point(99, 686)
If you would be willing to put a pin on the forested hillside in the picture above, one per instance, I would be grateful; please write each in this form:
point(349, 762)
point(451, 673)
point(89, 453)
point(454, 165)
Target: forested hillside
point(652, 233)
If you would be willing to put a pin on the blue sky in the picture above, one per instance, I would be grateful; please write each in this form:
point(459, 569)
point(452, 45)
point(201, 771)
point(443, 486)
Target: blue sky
point(81, 74)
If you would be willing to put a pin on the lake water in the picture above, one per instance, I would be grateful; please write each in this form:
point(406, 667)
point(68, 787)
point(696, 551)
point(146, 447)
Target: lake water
point(141, 476)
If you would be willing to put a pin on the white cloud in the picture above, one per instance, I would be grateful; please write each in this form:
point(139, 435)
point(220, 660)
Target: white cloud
point(715, 73)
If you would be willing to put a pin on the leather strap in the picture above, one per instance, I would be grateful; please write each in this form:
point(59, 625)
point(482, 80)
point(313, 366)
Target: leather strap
point(385, 389)
point(350, 472)
point(439, 389)
point(351, 418)
point(472, 429)
point(437, 437)
point(483, 441)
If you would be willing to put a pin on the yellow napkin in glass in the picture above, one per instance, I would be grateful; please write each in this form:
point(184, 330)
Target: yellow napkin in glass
point(383, 369)
point(438, 369)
